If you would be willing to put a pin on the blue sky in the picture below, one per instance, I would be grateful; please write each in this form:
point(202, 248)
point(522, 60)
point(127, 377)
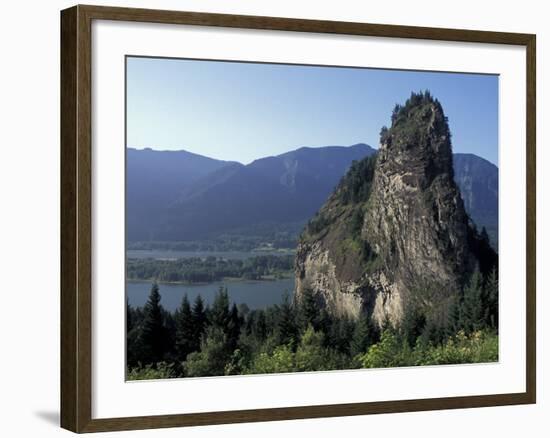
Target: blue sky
point(244, 111)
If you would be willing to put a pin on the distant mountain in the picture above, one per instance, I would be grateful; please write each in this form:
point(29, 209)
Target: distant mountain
point(287, 188)
point(183, 196)
point(154, 179)
point(477, 179)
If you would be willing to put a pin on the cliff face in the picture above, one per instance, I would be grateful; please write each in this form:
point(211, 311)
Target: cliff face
point(394, 233)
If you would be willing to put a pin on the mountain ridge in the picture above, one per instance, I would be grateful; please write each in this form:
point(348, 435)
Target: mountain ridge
point(298, 180)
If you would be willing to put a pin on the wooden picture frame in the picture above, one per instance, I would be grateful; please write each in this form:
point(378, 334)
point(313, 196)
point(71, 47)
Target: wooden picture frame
point(76, 217)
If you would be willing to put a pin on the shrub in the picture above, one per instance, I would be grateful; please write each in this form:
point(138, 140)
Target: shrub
point(280, 361)
point(389, 352)
point(161, 370)
point(478, 347)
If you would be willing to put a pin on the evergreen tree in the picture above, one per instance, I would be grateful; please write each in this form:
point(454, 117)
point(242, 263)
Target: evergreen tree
point(130, 319)
point(199, 321)
point(454, 323)
point(340, 333)
point(362, 337)
point(186, 340)
point(491, 299)
point(287, 329)
point(433, 333)
point(134, 321)
point(484, 236)
point(395, 112)
point(488, 258)
point(212, 357)
point(243, 309)
point(308, 310)
point(472, 306)
point(169, 324)
point(261, 325)
point(234, 327)
point(256, 324)
point(310, 354)
point(219, 313)
point(384, 134)
point(153, 331)
point(413, 324)
point(325, 322)
point(387, 325)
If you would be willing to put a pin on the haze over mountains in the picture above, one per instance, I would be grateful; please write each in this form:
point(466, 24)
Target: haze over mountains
point(178, 195)
point(477, 180)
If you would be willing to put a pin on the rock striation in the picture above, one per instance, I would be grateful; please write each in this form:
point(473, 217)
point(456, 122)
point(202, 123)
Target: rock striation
point(394, 233)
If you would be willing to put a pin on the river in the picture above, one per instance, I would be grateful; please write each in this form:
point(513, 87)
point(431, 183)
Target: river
point(161, 254)
point(256, 294)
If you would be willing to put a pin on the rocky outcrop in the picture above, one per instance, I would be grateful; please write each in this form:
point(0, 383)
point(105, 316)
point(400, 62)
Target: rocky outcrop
point(394, 233)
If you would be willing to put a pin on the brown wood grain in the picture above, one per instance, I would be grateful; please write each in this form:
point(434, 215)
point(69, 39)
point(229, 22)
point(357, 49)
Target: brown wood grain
point(531, 218)
point(76, 222)
point(68, 347)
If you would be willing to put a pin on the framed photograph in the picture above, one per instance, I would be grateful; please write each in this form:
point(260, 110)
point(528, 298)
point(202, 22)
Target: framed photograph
point(269, 218)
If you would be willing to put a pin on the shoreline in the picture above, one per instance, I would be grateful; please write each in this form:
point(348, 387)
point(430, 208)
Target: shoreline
point(226, 279)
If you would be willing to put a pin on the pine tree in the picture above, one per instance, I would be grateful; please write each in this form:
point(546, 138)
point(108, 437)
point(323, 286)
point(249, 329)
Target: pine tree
point(454, 323)
point(413, 324)
point(212, 357)
point(484, 236)
point(185, 330)
point(234, 327)
point(384, 134)
point(219, 313)
point(199, 321)
point(153, 331)
point(308, 310)
point(287, 329)
point(324, 321)
point(472, 307)
point(129, 317)
point(169, 335)
point(256, 324)
point(387, 325)
point(491, 298)
point(339, 334)
point(433, 333)
point(362, 337)
point(133, 331)
point(395, 112)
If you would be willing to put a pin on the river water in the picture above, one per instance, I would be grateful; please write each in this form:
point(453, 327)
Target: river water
point(256, 294)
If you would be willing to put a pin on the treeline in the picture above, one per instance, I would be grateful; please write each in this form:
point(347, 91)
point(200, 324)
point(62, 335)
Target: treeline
point(249, 238)
point(224, 339)
point(406, 119)
point(356, 184)
point(209, 269)
point(354, 188)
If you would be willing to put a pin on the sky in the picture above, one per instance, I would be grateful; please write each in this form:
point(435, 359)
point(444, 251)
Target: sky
point(244, 111)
